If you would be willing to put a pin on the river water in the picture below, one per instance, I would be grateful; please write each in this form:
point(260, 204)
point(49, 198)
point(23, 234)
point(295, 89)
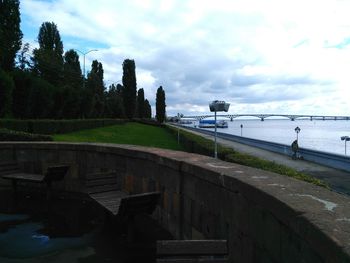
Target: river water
point(316, 134)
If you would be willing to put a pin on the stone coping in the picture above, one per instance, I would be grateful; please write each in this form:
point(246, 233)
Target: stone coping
point(319, 216)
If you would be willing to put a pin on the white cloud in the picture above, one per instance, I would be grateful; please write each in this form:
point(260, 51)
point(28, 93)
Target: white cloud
point(263, 56)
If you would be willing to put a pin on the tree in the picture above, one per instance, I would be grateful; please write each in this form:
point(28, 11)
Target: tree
point(48, 58)
point(129, 91)
point(114, 102)
point(72, 70)
point(160, 105)
point(21, 107)
point(22, 57)
point(140, 103)
point(6, 89)
point(148, 110)
point(95, 87)
point(10, 33)
point(71, 90)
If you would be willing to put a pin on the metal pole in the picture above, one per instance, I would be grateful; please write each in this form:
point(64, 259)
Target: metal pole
point(216, 147)
point(84, 53)
point(345, 146)
point(178, 135)
point(84, 72)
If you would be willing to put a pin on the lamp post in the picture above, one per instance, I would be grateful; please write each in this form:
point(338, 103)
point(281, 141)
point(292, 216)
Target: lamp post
point(346, 139)
point(84, 54)
point(216, 106)
point(241, 129)
point(297, 130)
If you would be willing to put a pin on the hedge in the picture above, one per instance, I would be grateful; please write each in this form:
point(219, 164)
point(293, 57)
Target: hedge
point(55, 126)
point(8, 135)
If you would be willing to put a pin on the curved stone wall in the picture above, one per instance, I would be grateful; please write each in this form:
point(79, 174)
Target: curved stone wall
point(265, 217)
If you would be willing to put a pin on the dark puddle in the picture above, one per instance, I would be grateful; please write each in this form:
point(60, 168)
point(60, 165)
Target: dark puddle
point(72, 231)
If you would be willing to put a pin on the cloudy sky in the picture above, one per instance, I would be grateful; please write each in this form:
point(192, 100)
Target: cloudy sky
point(271, 56)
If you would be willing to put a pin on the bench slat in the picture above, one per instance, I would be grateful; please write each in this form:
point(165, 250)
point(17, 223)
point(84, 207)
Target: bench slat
point(192, 260)
point(101, 181)
point(102, 189)
point(8, 168)
point(192, 247)
point(25, 177)
point(97, 176)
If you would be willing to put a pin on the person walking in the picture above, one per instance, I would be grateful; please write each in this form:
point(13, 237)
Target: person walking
point(295, 148)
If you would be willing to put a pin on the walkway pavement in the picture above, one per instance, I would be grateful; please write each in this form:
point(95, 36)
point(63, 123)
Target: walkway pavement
point(338, 180)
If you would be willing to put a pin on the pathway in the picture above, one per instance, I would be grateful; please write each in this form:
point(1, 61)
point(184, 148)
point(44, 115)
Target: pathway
point(338, 180)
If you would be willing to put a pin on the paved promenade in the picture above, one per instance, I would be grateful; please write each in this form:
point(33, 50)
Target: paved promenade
point(338, 180)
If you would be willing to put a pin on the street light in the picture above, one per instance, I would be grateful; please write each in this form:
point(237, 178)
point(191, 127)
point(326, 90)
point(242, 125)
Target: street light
point(216, 106)
point(346, 139)
point(84, 54)
point(297, 130)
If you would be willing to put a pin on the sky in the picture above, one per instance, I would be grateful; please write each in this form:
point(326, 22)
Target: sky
point(271, 56)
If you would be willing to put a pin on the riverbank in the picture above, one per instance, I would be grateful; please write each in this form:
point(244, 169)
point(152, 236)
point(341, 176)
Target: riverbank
point(338, 180)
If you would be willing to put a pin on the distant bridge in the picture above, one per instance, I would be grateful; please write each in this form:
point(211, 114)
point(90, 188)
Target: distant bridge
point(262, 117)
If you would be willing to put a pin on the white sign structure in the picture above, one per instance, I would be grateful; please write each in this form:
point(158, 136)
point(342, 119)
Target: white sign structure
point(216, 106)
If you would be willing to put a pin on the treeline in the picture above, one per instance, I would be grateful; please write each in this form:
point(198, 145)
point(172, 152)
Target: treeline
point(48, 83)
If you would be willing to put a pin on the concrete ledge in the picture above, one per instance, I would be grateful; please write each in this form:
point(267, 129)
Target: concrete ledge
point(265, 217)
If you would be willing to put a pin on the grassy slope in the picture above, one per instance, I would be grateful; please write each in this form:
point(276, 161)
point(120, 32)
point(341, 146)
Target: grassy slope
point(146, 135)
point(230, 155)
point(129, 133)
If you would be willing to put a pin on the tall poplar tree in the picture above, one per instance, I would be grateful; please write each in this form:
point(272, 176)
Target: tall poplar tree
point(48, 58)
point(72, 70)
point(160, 105)
point(96, 89)
point(148, 110)
point(10, 33)
point(140, 103)
point(72, 87)
point(129, 90)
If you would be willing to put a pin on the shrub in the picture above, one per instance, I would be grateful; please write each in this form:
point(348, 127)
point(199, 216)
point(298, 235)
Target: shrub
point(8, 135)
point(56, 126)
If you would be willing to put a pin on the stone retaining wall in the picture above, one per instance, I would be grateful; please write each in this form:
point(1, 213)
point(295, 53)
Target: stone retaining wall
point(265, 217)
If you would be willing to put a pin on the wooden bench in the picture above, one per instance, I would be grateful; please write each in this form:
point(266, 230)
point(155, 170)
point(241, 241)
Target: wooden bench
point(190, 251)
point(103, 188)
point(53, 173)
point(8, 168)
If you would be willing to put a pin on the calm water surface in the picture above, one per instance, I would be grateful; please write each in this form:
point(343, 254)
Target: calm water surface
point(317, 134)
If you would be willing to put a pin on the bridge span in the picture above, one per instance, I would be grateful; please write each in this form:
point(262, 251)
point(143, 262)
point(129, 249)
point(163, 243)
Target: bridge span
point(262, 117)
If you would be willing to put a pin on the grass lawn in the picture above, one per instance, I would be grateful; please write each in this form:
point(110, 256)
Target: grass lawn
point(129, 133)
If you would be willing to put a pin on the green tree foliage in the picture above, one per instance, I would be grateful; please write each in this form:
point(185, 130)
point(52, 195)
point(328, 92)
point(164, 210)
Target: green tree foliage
point(33, 98)
point(72, 70)
point(21, 107)
point(72, 87)
point(114, 102)
point(95, 88)
point(48, 58)
point(140, 103)
point(22, 58)
point(10, 33)
point(41, 99)
point(160, 105)
point(6, 89)
point(148, 110)
point(129, 91)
